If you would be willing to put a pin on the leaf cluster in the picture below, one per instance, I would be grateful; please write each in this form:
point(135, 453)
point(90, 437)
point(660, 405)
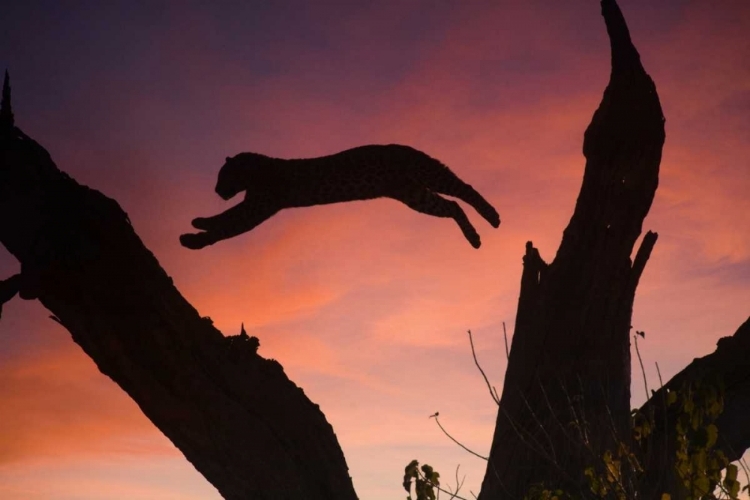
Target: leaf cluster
point(425, 481)
point(704, 470)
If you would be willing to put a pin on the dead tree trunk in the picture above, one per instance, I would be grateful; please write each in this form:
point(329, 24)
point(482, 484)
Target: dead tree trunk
point(236, 416)
point(567, 387)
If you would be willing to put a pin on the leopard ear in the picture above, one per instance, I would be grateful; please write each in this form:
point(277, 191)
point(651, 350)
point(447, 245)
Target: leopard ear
point(228, 158)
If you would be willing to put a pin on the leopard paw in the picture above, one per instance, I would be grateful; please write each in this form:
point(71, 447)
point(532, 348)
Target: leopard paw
point(194, 241)
point(201, 223)
point(474, 239)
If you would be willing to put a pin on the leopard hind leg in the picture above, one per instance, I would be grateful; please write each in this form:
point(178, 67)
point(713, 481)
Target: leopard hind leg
point(430, 203)
point(441, 179)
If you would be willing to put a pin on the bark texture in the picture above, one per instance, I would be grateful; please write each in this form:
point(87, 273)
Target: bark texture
point(567, 387)
point(236, 416)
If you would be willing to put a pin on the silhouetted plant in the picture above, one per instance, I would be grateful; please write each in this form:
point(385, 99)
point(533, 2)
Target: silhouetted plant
point(704, 472)
point(425, 481)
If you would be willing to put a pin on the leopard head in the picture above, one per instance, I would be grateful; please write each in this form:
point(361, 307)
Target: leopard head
point(241, 172)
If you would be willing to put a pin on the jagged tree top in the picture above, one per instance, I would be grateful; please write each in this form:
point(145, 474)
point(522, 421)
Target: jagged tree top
point(6, 112)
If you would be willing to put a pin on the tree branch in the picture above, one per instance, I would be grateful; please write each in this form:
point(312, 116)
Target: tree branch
point(236, 416)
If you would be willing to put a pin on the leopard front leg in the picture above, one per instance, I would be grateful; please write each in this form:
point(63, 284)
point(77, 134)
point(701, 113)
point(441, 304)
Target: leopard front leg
point(8, 289)
point(428, 202)
point(239, 219)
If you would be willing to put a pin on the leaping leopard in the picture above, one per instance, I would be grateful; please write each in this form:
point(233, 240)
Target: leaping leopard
point(363, 173)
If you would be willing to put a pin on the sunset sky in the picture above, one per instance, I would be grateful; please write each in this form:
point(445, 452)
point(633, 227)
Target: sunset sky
point(365, 304)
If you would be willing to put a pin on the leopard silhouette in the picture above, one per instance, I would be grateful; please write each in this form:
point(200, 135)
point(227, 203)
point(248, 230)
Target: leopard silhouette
point(363, 173)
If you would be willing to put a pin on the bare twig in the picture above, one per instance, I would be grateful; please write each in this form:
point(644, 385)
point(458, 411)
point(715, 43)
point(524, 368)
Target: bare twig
point(544, 431)
point(435, 416)
point(459, 485)
point(666, 424)
point(554, 414)
point(454, 495)
point(536, 446)
point(540, 450)
point(579, 425)
point(643, 371)
point(613, 428)
point(505, 336)
point(493, 391)
point(658, 372)
point(641, 257)
point(651, 417)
